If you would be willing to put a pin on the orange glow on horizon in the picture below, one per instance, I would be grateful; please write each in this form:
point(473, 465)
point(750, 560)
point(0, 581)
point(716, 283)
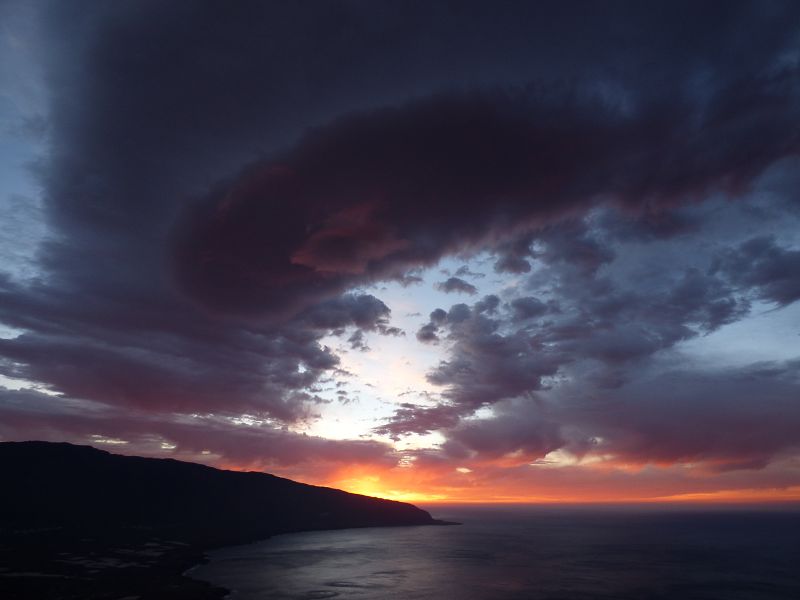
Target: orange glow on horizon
point(432, 486)
point(479, 484)
point(790, 494)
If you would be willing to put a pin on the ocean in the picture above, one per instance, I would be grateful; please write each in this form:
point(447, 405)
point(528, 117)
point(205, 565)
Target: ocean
point(536, 553)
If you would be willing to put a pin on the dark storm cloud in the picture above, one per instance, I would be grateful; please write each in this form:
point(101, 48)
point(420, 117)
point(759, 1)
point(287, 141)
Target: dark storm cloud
point(220, 176)
point(377, 193)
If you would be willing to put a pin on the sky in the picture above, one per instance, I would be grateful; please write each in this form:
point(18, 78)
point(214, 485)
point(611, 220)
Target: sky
point(430, 251)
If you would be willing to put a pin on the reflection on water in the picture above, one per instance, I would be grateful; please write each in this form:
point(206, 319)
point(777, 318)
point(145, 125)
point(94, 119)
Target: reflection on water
point(536, 553)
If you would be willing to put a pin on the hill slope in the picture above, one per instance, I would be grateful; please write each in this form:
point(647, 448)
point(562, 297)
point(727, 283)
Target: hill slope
point(77, 522)
point(50, 484)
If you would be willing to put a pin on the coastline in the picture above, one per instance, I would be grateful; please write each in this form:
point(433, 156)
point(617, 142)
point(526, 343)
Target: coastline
point(71, 564)
point(78, 523)
point(226, 593)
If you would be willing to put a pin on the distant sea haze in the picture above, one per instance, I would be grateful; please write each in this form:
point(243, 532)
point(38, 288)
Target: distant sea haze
point(536, 553)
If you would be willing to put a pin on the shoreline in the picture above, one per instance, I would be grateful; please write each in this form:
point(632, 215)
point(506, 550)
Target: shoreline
point(229, 593)
point(74, 564)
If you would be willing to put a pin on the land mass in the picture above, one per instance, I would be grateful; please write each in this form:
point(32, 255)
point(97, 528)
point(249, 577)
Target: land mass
point(78, 522)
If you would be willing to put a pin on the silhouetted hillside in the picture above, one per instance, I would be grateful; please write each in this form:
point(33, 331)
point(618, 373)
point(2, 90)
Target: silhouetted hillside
point(50, 484)
point(75, 520)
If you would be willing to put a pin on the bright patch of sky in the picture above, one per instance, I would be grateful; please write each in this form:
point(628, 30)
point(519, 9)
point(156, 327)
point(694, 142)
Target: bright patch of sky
point(392, 371)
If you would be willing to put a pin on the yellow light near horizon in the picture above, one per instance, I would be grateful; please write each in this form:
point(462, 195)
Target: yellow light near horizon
point(442, 484)
point(372, 485)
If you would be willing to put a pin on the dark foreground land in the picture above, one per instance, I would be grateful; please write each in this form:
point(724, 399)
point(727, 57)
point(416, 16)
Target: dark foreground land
point(81, 523)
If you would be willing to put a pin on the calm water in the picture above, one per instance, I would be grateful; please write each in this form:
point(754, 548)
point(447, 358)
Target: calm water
point(532, 553)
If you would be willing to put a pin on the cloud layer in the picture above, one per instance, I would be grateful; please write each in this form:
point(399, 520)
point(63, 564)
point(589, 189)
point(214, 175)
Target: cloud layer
point(226, 187)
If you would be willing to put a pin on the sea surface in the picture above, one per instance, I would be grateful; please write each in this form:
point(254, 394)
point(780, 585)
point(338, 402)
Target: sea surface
point(532, 553)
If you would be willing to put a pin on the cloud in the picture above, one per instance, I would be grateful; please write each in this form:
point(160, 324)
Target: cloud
point(527, 307)
point(168, 357)
point(601, 380)
point(219, 190)
point(428, 333)
point(456, 284)
point(704, 420)
point(591, 319)
point(379, 209)
point(526, 436)
point(357, 342)
point(571, 242)
point(484, 366)
point(465, 271)
point(761, 264)
point(488, 304)
point(364, 311)
point(512, 264)
point(240, 443)
point(501, 480)
point(710, 418)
